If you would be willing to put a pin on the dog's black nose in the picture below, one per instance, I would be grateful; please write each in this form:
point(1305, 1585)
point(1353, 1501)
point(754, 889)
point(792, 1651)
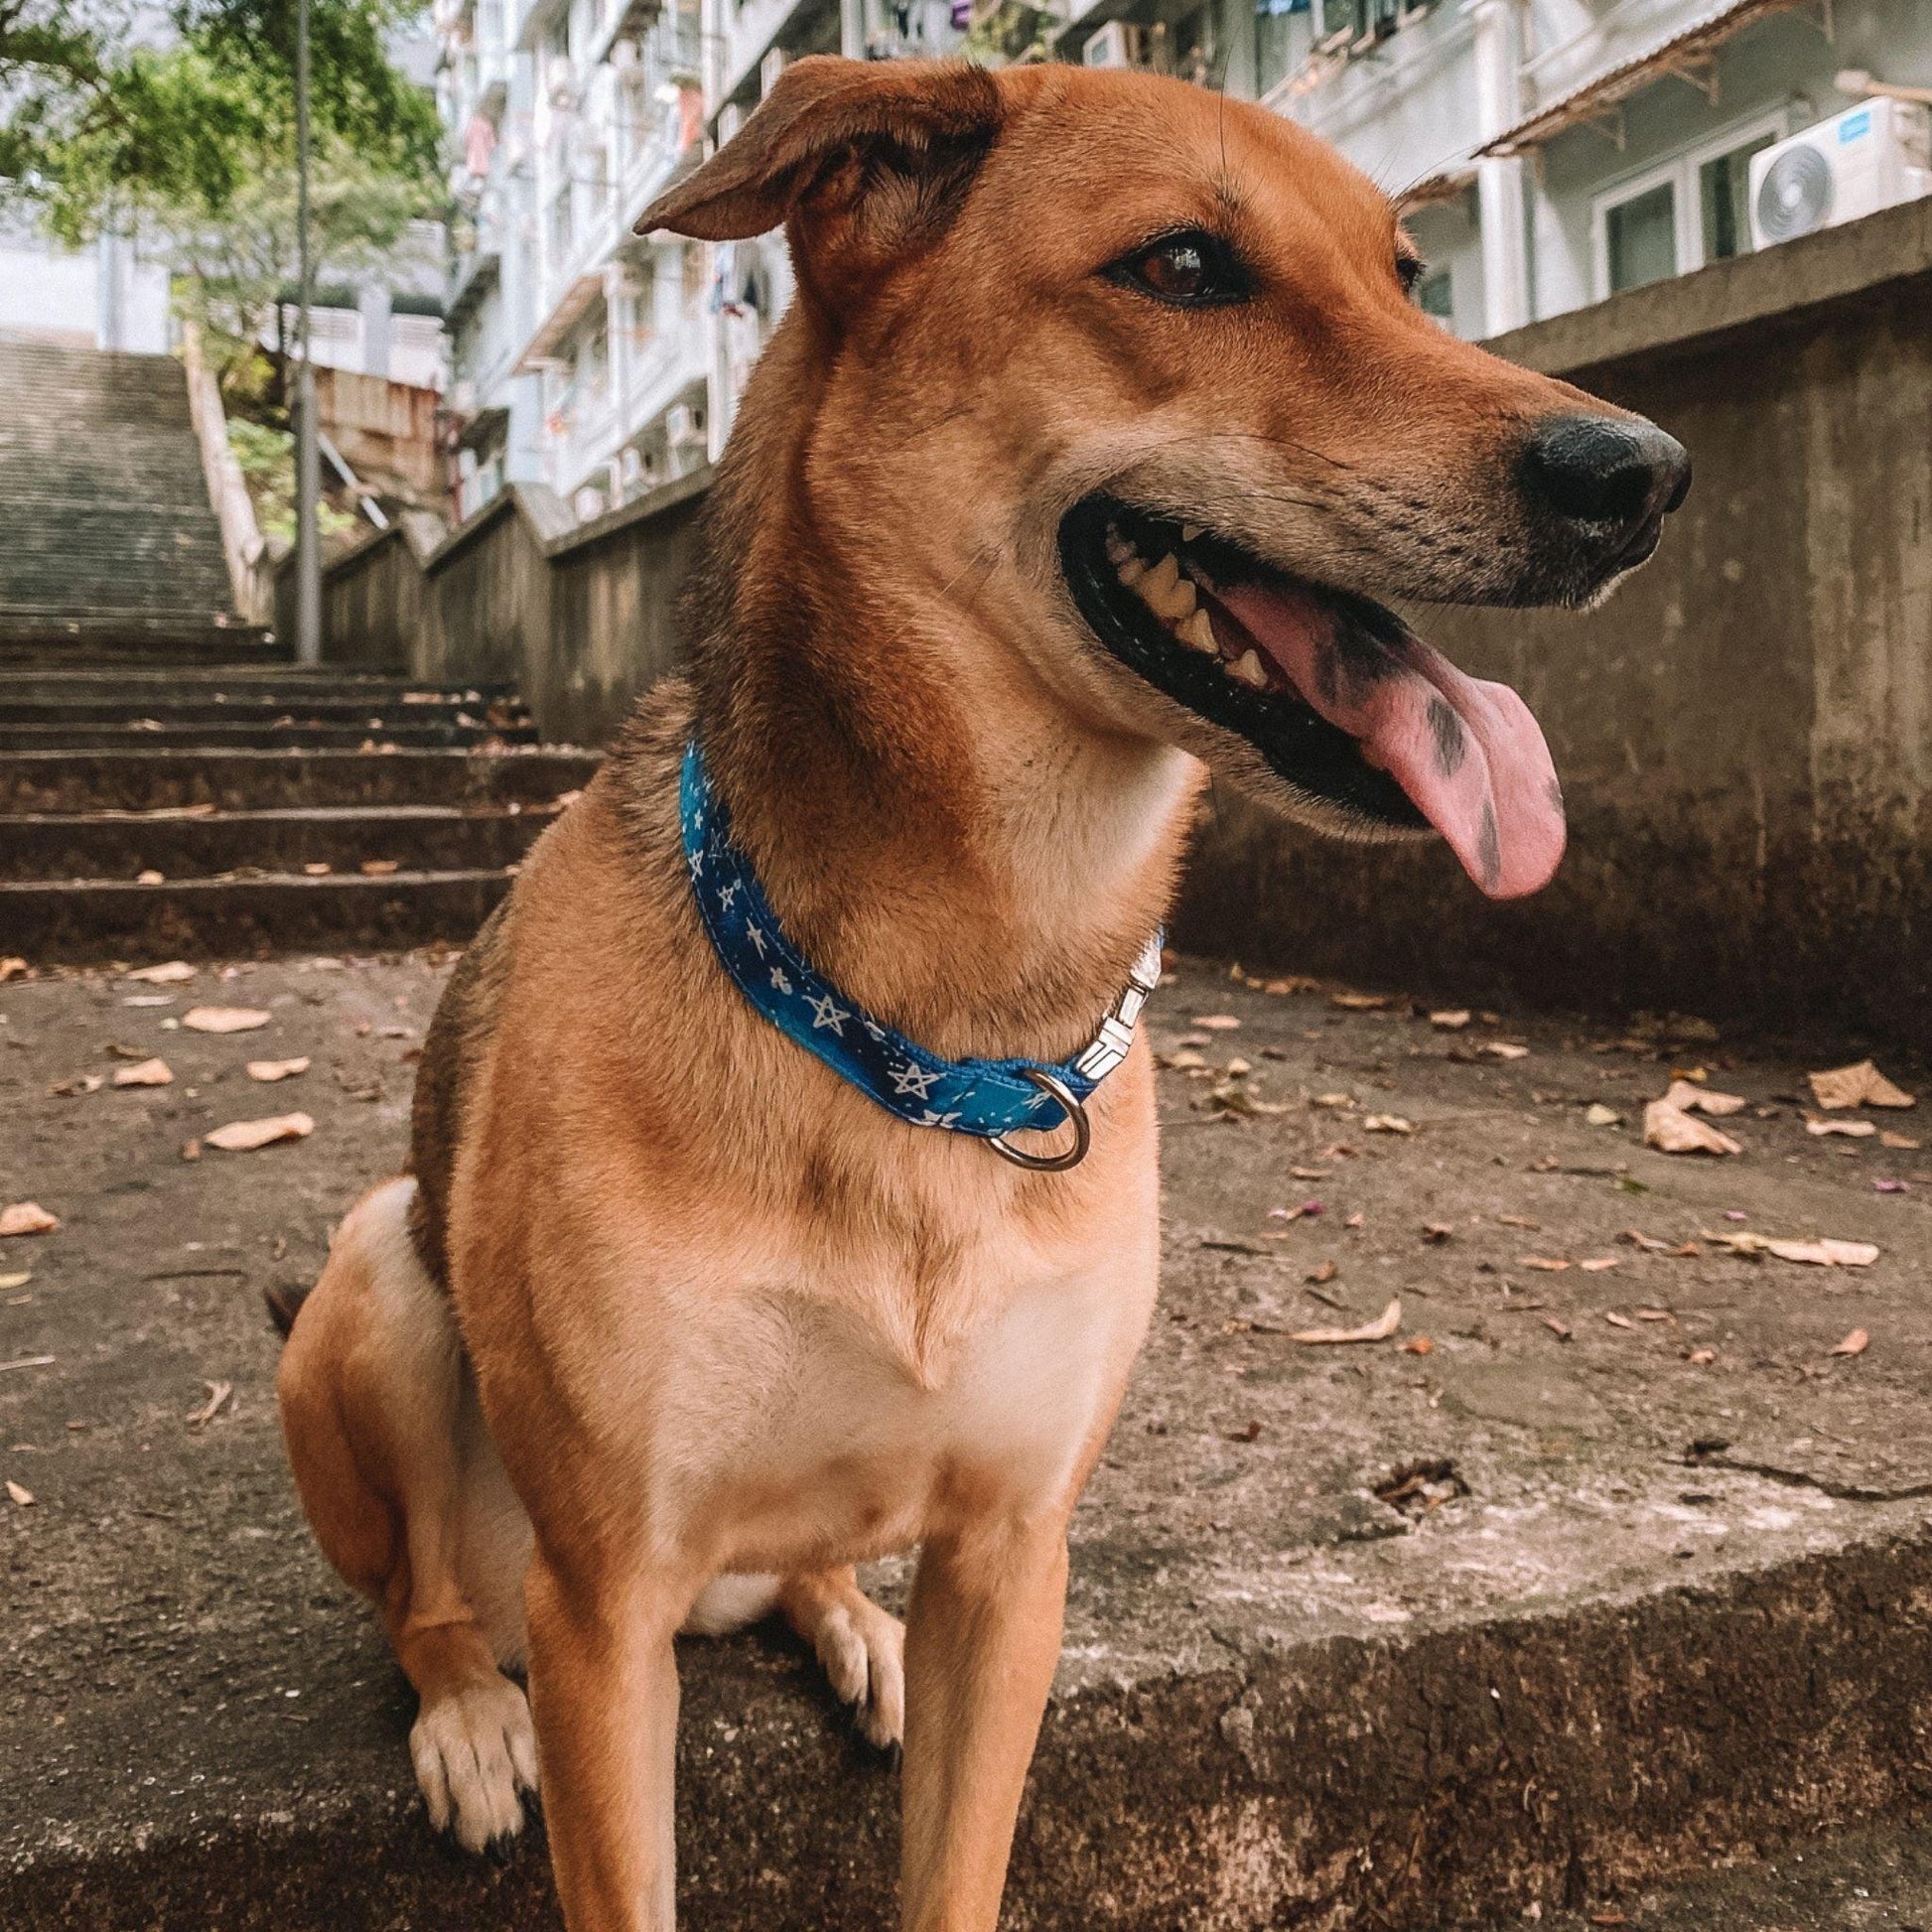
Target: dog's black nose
point(1618, 472)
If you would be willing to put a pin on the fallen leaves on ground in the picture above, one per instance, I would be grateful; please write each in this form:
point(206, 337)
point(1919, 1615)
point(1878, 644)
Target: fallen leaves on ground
point(1236, 1097)
point(1388, 1124)
point(244, 1135)
point(1380, 1329)
point(217, 1394)
point(278, 1069)
point(1438, 1231)
point(1557, 1326)
point(1857, 1130)
point(16, 1280)
point(13, 967)
point(79, 1083)
point(27, 1217)
point(379, 868)
point(1321, 1273)
point(1596, 1264)
point(171, 972)
point(145, 1074)
point(1546, 1264)
point(1421, 1345)
point(1821, 1253)
point(1859, 1085)
point(1359, 1002)
point(1905, 1142)
point(1693, 1098)
point(1450, 1019)
point(224, 1019)
point(1671, 1129)
point(22, 1496)
point(1519, 1221)
point(1216, 1023)
point(1599, 1115)
point(1503, 1049)
point(1856, 1343)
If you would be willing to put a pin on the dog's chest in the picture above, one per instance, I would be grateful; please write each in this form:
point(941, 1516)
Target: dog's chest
point(808, 1424)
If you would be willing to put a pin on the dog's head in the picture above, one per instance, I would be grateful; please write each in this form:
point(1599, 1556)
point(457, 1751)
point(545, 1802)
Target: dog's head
point(1133, 372)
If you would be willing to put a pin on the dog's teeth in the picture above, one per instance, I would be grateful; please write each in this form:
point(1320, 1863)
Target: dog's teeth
point(1168, 595)
point(1248, 669)
point(1118, 548)
point(1197, 634)
point(1190, 531)
point(1131, 571)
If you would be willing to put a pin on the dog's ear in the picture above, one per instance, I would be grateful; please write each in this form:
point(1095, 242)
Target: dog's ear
point(862, 157)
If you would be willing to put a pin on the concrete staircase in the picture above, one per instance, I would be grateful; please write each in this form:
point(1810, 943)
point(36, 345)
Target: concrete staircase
point(107, 537)
point(235, 810)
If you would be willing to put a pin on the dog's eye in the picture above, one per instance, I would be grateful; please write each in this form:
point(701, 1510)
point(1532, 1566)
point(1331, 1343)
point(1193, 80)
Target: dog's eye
point(1409, 272)
point(1189, 269)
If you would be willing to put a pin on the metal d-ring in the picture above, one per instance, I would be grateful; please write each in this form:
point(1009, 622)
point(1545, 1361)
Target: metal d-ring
point(1054, 1088)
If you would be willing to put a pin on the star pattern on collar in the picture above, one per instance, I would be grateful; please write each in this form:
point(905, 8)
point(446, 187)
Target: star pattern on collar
point(827, 1012)
point(913, 1079)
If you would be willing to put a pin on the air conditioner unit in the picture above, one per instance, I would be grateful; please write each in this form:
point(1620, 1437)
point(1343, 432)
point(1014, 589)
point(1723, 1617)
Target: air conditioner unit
point(1872, 156)
point(1116, 45)
point(683, 425)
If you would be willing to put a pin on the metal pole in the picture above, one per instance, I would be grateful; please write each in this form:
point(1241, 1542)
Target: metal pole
point(308, 461)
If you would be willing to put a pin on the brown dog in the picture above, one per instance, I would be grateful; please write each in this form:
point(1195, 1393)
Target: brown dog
point(1100, 417)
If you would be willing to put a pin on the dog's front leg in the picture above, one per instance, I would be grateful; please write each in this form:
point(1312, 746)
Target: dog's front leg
point(982, 1639)
point(603, 1694)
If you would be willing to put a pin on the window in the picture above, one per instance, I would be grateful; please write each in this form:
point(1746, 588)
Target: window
point(1673, 219)
point(1436, 294)
point(1724, 198)
point(1641, 238)
point(1277, 45)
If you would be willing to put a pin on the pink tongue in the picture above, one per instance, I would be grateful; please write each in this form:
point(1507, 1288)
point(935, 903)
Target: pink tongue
point(1468, 753)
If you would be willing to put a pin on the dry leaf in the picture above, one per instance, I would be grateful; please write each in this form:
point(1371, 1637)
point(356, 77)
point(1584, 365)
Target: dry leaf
point(147, 1073)
point(1859, 1085)
point(1599, 1115)
point(1359, 1002)
point(224, 1019)
point(1450, 1019)
point(150, 878)
point(1886, 1138)
point(1546, 1263)
point(1826, 1253)
point(379, 868)
point(1648, 1242)
point(244, 1136)
point(80, 1083)
point(278, 1069)
point(171, 972)
point(1519, 1221)
point(1671, 1129)
point(1598, 1263)
point(1380, 1329)
point(24, 1497)
point(191, 1150)
point(1856, 1343)
point(1701, 1357)
point(317, 869)
point(1216, 1023)
point(10, 1282)
point(1619, 1320)
point(1438, 1230)
point(1654, 1314)
point(1180, 1062)
point(1388, 1124)
point(217, 1394)
point(1688, 1096)
point(27, 1217)
point(11, 968)
point(1503, 1049)
point(1421, 1345)
point(1857, 1130)
point(1560, 1329)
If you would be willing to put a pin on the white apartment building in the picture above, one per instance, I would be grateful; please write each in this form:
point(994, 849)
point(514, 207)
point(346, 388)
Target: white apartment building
point(1552, 153)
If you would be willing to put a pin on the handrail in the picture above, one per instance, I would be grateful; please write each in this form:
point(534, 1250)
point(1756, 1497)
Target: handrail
point(234, 509)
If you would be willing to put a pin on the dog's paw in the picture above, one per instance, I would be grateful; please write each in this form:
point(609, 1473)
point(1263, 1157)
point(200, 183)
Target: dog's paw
point(476, 1755)
point(863, 1650)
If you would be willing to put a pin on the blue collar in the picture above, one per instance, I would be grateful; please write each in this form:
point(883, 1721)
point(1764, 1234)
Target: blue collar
point(986, 1098)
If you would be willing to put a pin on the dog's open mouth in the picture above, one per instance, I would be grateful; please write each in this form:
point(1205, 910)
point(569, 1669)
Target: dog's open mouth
point(1336, 692)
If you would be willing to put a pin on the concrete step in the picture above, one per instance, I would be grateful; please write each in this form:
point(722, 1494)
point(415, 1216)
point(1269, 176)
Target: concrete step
point(149, 780)
point(42, 639)
point(1666, 1598)
point(174, 704)
point(269, 733)
point(86, 920)
point(119, 846)
point(256, 678)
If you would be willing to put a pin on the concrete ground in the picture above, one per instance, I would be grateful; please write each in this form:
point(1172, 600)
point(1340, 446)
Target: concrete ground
point(1602, 1568)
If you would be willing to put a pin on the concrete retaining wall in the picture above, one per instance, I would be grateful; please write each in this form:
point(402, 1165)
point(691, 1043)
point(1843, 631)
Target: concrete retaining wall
point(579, 619)
point(1745, 733)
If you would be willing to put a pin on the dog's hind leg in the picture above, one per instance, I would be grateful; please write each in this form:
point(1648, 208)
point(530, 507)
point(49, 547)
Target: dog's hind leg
point(861, 1646)
point(409, 1502)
